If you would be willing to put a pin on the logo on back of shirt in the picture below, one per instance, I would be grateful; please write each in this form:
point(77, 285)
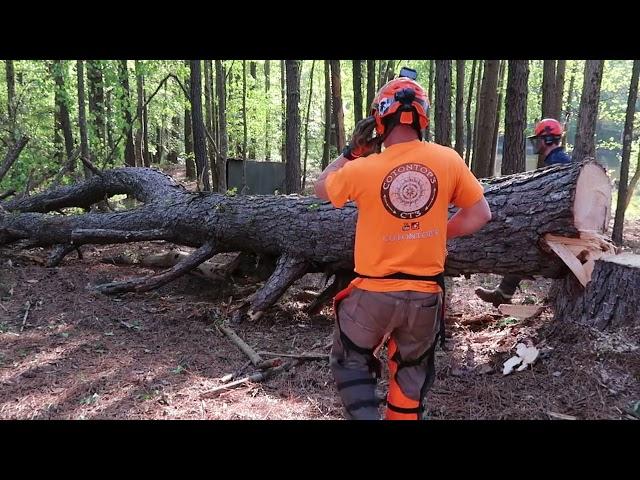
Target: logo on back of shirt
point(409, 190)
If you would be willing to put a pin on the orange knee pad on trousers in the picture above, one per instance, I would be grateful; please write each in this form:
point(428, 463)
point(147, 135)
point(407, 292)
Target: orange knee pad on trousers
point(399, 406)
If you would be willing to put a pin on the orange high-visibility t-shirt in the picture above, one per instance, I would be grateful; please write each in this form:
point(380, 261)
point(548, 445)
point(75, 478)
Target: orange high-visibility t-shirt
point(403, 195)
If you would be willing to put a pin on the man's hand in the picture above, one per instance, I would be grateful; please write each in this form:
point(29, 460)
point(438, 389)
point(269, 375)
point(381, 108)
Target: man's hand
point(362, 143)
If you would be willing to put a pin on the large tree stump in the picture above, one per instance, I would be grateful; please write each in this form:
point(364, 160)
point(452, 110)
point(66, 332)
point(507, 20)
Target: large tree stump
point(611, 299)
point(306, 234)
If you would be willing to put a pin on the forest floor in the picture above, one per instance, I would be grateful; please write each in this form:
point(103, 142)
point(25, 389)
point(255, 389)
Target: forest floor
point(69, 353)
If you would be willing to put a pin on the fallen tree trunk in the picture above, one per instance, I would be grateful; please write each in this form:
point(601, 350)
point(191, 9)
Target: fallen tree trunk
point(609, 300)
point(305, 234)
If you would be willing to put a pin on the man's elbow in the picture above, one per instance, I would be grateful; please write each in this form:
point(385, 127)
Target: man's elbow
point(319, 190)
point(484, 212)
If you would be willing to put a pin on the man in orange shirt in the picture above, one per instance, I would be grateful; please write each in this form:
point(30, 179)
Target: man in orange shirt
point(402, 195)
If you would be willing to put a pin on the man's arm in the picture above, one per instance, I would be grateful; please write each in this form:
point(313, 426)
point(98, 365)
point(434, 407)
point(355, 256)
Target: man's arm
point(469, 220)
point(319, 185)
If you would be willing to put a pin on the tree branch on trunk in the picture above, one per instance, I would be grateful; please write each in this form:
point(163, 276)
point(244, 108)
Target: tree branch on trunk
point(12, 155)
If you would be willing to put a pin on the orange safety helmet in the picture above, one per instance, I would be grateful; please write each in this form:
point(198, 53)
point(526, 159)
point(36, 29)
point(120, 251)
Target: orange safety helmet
point(404, 96)
point(548, 129)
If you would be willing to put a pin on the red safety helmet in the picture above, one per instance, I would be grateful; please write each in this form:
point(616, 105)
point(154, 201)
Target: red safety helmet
point(548, 129)
point(404, 96)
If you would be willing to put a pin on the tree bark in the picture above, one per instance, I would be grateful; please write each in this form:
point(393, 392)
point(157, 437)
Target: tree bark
point(222, 125)
point(584, 144)
point(549, 96)
point(96, 103)
point(129, 149)
point(357, 90)
point(618, 224)
point(326, 146)
point(283, 112)
point(609, 300)
point(481, 166)
point(244, 122)
point(633, 182)
point(11, 89)
point(467, 155)
point(569, 106)
point(514, 152)
point(496, 127)
point(460, 107)
point(561, 67)
point(371, 83)
point(338, 113)
point(267, 134)
point(443, 103)
point(63, 122)
point(209, 116)
point(306, 127)
point(197, 122)
point(474, 154)
point(309, 235)
point(82, 117)
point(292, 167)
point(139, 139)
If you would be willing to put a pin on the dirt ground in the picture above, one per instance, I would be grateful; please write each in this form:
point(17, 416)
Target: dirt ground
point(69, 353)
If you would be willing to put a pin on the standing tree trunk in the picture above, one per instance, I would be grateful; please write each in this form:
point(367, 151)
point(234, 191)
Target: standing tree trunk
point(222, 125)
point(338, 113)
point(496, 128)
point(306, 127)
point(371, 83)
point(253, 72)
point(443, 103)
point(145, 127)
point(569, 106)
point(618, 224)
point(382, 68)
point(357, 91)
point(431, 99)
point(209, 116)
point(549, 96)
point(283, 116)
point(63, 122)
point(139, 141)
point(467, 154)
point(477, 112)
point(588, 115)
point(199, 134)
point(391, 66)
point(292, 167)
point(486, 123)
point(267, 133)
point(460, 107)
point(633, 182)
point(244, 121)
point(82, 117)
point(190, 164)
point(514, 154)
point(326, 146)
point(549, 89)
point(96, 104)
point(11, 89)
point(561, 67)
point(129, 149)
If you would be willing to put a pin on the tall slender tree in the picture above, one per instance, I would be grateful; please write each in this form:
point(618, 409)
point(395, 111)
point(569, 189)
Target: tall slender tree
point(431, 99)
point(267, 133)
point(11, 87)
point(460, 107)
point(62, 119)
point(477, 112)
point(283, 95)
point(96, 104)
point(443, 103)
point(621, 207)
point(585, 145)
point(496, 127)
point(125, 102)
point(515, 118)
point(326, 146)
point(467, 154)
point(561, 67)
point(292, 167)
point(197, 122)
point(82, 116)
point(338, 113)
point(488, 105)
point(222, 125)
point(371, 83)
point(306, 127)
point(357, 90)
